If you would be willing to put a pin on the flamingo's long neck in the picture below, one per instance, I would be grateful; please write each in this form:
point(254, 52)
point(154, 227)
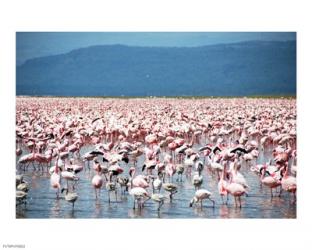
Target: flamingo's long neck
point(199, 171)
point(131, 182)
point(294, 161)
point(223, 173)
point(263, 172)
point(286, 173)
point(34, 149)
point(131, 178)
point(192, 141)
point(235, 168)
point(56, 166)
point(110, 176)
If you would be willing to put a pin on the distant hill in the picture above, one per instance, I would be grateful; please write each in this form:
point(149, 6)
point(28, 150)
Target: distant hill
point(246, 68)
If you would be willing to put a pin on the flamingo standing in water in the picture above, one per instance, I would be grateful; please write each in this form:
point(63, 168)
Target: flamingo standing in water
point(237, 177)
point(159, 198)
point(140, 195)
point(97, 181)
point(271, 181)
point(111, 186)
point(170, 170)
point(180, 170)
point(201, 195)
point(197, 180)
point(137, 181)
point(157, 184)
point(289, 183)
point(123, 183)
point(70, 197)
point(236, 190)
point(55, 179)
point(25, 160)
point(68, 126)
point(222, 184)
point(137, 190)
point(171, 188)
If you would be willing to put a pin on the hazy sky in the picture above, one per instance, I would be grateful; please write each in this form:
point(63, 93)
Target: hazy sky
point(36, 44)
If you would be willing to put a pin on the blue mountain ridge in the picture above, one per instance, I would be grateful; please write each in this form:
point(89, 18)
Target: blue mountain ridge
point(237, 69)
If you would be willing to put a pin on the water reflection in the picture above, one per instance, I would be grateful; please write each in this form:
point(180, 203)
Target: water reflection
point(224, 211)
point(71, 214)
point(55, 209)
point(42, 202)
point(136, 213)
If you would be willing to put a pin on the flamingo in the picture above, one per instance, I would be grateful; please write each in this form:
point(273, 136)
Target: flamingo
point(19, 179)
point(180, 170)
point(199, 166)
point(222, 184)
point(197, 180)
point(149, 166)
point(190, 160)
point(140, 195)
point(171, 188)
point(289, 183)
point(160, 168)
point(111, 186)
point(23, 187)
point(271, 181)
point(293, 167)
point(69, 176)
point(170, 170)
point(123, 182)
point(157, 184)
point(55, 179)
point(21, 197)
point(76, 168)
point(18, 152)
point(26, 159)
point(97, 183)
point(146, 130)
point(159, 198)
point(236, 190)
point(138, 181)
point(201, 195)
point(70, 197)
point(237, 177)
point(87, 157)
point(115, 170)
point(215, 166)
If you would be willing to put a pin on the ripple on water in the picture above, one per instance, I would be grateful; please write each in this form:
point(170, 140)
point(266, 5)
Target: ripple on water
point(42, 202)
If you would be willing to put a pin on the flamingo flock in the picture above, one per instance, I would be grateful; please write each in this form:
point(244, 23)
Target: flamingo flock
point(147, 149)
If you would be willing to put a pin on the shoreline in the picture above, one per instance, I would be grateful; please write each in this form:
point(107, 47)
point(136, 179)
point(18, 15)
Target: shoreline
point(165, 97)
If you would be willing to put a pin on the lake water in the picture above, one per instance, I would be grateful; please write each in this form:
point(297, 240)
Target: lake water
point(42, 202)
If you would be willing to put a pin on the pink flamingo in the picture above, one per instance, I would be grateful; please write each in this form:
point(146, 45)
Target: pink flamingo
point(201, 195)
point(222, 184)
point(140, 195)
point(56, 178)
point(289, 183)
point(97, 183)
point(236, 190)
point(25, 160)
point(271, 181)
point(170, 170)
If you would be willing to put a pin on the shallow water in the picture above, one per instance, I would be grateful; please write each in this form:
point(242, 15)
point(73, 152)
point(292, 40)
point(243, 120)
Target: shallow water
point(42, 202)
